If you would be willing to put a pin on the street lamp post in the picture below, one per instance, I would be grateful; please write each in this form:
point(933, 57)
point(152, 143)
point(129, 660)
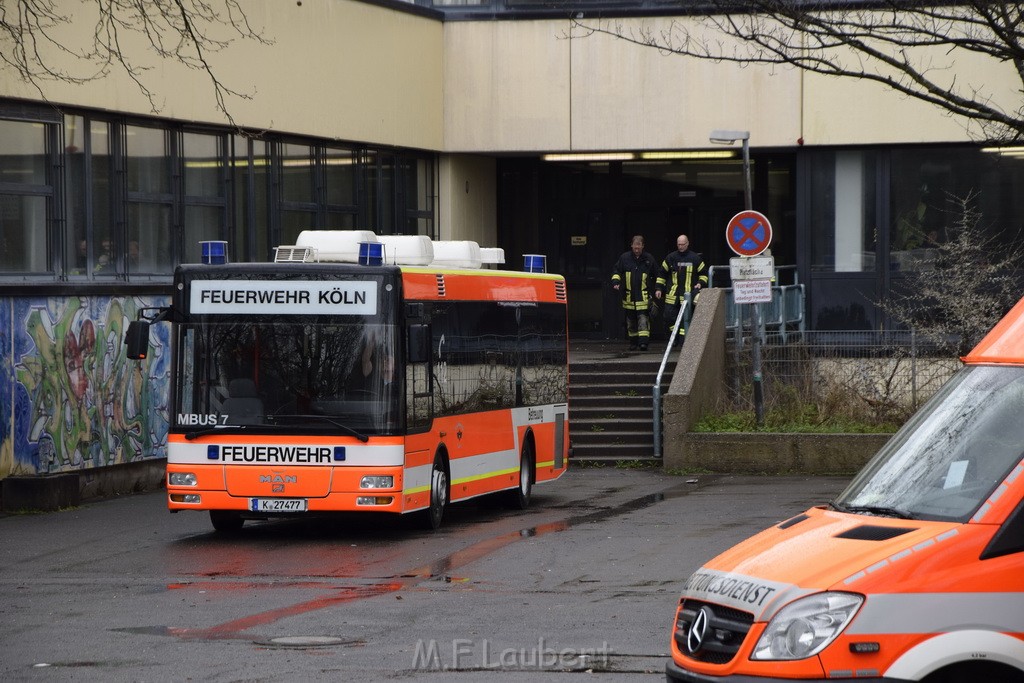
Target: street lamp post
point(728, 137)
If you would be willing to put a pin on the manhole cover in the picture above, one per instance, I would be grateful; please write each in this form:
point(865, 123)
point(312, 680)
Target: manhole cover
point(305, 641)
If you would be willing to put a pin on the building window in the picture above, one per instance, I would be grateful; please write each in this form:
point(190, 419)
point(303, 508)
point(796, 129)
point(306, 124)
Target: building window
point(843, 191)
point(26, 197)
point(95, 197)
point(298, 205)
point(88, 198)
point(340, 172)
point(340, 166)
point(150, 245)
point(250, 182)
point(928, 183)
point(205, 193)
point(416, 194)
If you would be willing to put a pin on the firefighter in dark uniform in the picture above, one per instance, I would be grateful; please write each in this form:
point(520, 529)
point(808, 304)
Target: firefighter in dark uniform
point(633, 278)
point(683, 271)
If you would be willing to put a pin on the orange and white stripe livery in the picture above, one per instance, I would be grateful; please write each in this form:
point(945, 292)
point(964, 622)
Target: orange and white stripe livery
point(914, 573)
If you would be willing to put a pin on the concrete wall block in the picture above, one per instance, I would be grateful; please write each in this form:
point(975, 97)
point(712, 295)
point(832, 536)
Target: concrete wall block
point(774, 454)
point(50, 492)
point(39, 493)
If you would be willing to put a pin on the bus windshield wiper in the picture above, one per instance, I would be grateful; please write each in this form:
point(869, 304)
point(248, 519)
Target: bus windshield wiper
point(880, 510)
point(273, 426)
point(326, 418)
point(227, 429)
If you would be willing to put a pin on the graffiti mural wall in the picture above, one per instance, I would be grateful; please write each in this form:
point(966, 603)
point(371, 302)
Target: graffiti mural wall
point(69, 398)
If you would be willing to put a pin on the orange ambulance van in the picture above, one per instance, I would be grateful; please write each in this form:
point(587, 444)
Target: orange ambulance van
point(914, 573)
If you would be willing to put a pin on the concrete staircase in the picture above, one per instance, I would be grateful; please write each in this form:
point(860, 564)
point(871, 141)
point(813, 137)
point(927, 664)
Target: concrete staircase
point(611, 403)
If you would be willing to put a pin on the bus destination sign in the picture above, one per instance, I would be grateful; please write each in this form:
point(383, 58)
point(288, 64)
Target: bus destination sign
point(294, 297)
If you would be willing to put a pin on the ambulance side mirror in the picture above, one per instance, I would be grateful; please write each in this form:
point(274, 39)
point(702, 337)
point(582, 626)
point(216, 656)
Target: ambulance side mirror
point(136, 339)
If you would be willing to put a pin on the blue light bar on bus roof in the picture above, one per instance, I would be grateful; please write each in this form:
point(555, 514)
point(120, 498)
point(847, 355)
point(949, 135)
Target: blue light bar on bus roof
point(535, 263)
point(371, 253)
point(215, 252)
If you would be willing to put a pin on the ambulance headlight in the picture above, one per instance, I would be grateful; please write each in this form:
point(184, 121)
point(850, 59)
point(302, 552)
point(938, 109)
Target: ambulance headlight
point(805, 627)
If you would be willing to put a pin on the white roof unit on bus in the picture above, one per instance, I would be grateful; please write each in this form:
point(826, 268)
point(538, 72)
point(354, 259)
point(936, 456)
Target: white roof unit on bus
point(456, 254)
point(335, 245)
point(492, 255)
point(407, 250)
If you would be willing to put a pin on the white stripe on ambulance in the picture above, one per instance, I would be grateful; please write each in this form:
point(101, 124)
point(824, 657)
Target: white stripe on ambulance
point(938, 613)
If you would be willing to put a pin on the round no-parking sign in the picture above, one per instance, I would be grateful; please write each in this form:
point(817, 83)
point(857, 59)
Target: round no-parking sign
point(748, 233)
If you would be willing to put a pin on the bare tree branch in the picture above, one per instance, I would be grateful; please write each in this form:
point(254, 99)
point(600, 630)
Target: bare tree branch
point(33, 40)
point(971, 281)
point(909, 46)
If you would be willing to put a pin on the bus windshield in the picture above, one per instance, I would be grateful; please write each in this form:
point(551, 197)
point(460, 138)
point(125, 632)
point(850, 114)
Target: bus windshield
point(949, 458)
point(338, 376)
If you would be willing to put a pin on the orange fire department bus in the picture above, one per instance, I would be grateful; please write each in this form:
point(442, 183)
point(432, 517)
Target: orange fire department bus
point(317, 386)
point(914, 573)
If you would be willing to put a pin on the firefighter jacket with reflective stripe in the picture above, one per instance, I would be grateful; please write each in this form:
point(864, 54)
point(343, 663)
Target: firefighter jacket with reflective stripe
point(681, 272)
point(635, 278)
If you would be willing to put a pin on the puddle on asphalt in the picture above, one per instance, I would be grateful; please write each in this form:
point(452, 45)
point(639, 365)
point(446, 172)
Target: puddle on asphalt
point(442, 567)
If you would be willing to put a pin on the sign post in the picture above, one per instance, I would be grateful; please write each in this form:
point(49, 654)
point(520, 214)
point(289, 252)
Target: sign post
point(749, 233)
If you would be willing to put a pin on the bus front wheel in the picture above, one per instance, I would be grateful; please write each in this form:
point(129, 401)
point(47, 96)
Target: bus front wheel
point(226, 522)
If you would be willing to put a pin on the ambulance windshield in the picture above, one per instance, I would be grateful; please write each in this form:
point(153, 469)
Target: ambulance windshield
point(947, 460)
point(278, 375)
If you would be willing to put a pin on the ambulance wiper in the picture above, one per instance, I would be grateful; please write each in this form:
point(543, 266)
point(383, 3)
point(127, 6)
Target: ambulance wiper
point(880, 510)
point(326, 418)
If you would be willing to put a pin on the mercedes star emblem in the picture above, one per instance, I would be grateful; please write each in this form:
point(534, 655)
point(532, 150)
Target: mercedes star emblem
point(698, 630)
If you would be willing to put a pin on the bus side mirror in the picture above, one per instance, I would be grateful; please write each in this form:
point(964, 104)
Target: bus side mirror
point(419, 343)
point(136, 339)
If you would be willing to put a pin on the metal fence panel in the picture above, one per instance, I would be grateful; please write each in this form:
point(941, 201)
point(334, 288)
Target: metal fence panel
point(879, 377)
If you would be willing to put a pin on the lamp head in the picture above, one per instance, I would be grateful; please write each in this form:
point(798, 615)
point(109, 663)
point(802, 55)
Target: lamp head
point(727, 137)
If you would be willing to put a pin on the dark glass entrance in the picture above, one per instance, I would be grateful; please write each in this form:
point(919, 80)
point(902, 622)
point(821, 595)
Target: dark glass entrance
point(582, 214)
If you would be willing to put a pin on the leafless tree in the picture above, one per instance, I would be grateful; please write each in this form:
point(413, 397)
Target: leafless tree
point(35, 39)
point(969, 282)
point(909, 46)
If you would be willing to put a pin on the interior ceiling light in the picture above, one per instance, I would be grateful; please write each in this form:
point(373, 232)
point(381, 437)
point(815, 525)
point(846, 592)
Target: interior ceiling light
point(708, 154)
point(591, 156)
point(1005, 151)
point(640, 156)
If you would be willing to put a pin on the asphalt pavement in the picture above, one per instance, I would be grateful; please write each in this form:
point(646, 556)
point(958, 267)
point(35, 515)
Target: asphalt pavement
point(582, 586)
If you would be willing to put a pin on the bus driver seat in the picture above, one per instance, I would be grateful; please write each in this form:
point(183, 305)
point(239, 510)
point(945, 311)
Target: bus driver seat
point(243, 406)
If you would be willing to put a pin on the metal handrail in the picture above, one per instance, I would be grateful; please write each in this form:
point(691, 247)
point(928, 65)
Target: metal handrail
point(661, 372)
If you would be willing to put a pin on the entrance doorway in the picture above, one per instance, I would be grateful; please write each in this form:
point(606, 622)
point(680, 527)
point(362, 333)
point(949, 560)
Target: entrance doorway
point(582, 215)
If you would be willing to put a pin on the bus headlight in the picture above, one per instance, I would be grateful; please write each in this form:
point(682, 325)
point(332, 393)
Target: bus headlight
point(374, 481)
point(375, 500)
point(806, 626)
point(191, 498)
point(181, 479)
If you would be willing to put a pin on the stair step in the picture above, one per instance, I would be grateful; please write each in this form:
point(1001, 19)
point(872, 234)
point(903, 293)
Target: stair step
point(608, 411)
point(611, 437)
point(611, 406)
point(633, 378)
point(614, 452)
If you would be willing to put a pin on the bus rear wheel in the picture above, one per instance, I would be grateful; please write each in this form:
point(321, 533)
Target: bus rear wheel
point(225, 521)
point(519, 498)
point(438, 494)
